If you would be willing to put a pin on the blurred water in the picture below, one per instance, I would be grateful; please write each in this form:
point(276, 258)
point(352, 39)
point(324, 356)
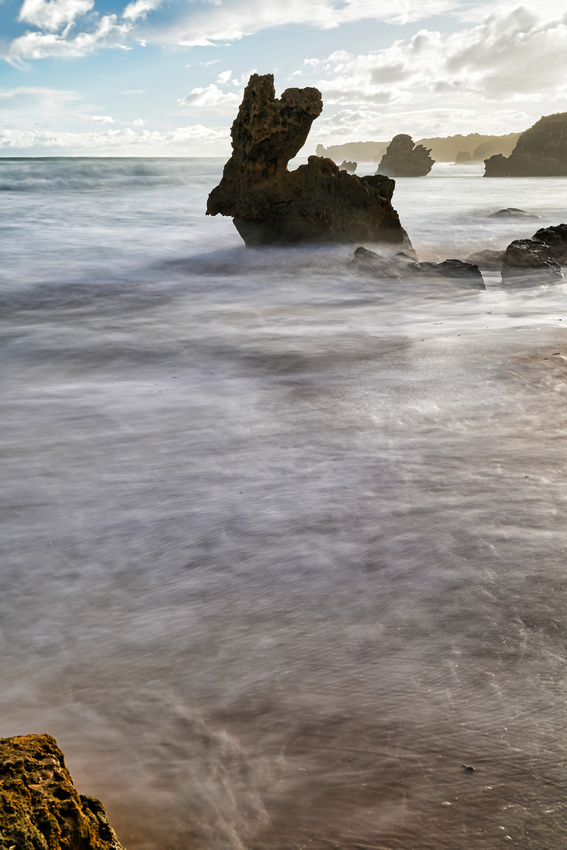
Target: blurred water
point(282, 546)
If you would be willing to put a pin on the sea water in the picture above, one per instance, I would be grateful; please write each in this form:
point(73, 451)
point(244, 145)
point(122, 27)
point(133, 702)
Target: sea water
point(283, 546)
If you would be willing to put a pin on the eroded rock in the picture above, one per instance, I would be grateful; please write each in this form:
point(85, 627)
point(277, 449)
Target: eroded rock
point(404, 159)
point(315, 203)
point(348, 165)
point(540, 151)
point(40, 808)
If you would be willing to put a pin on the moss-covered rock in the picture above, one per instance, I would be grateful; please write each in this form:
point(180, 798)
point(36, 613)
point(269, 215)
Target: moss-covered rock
point(40, 808)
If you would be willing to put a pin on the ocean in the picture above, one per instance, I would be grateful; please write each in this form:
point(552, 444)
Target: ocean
point(283, 546)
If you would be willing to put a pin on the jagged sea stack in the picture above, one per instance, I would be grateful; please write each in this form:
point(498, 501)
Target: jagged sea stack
point(540, 151)
point(315, 203)
point(403, 159)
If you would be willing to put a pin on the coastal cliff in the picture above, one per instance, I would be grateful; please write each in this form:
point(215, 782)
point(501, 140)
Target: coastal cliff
point(540, 152)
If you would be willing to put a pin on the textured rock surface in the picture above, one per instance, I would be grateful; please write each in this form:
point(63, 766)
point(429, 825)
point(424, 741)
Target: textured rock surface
point(529, 260)
point(556, 239)
point(314, 203)
point(540, 152)
point(404, 159)
point(39, 806)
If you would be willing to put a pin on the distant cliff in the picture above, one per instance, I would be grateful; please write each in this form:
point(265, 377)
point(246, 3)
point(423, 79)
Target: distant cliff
point(539, 152)
point(443, 149)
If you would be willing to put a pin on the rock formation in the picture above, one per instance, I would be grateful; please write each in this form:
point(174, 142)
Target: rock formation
point(540, 151)
point(403, 265)
point(530, 261)
point(556, 239)
point(348, 165)
point(39, 806)
point(314, 203)
point(488, 260)
point(512, 212)
point(404, 159)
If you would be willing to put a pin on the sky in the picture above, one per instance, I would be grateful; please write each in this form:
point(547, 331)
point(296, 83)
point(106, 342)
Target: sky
point(165, 77)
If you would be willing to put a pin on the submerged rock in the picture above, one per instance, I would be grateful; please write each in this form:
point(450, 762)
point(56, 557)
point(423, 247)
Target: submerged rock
point(540, 151)
point(315, 203)
point(39, 806)
point(512, 212)
point(487, 260)
point(453, 268)
point(403, 159)
point(529, 260)
point(404, 265)
point(397, 266)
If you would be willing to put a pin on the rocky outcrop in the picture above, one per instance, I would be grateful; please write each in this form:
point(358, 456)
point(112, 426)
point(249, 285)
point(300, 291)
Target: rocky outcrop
point(530, 261)
point(404, 159)
point(347, 165)
point(556, 239)
point(315, 203)
point(40, 808)
point(540, 152)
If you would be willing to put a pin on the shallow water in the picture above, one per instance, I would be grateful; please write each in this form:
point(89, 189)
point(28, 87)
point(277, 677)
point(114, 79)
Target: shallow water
point(283, 548)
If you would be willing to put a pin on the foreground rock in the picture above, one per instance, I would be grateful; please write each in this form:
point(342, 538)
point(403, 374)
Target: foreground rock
point(315, 203)
point(404, 159)
point(540, 151)
point(39, 806)
point(404, 265)
point(530, 261)
point(556, 239)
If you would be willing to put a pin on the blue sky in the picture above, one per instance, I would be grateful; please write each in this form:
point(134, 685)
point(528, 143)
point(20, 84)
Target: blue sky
point(165, 77)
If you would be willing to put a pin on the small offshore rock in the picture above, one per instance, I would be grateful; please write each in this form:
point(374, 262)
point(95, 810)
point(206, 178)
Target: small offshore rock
point(453, 268)
point(395, 266)
point(40, 808)
point(530, 261)
point(404, 159)
point(487, 260)
point(512, 212)
point(346, 165)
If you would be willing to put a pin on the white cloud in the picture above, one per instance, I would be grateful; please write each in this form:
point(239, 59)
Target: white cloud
point(224, 77)
point(210, 96)
point(139, 9)
point(196, 139)
point(514, 56)
point(100, 119)
point(231, 20)
point(37, 45)
point(53, 14)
